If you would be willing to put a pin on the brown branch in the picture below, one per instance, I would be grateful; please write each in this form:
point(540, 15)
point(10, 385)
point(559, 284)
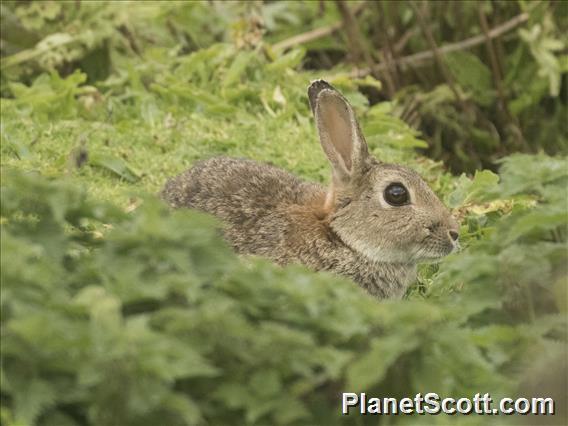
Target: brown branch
point(421, 58)
point(355, 41)
point(497, 75)
point(421, 15)
point(307, 36)
point(315, 33)
point(388, 54)
point(401, 44)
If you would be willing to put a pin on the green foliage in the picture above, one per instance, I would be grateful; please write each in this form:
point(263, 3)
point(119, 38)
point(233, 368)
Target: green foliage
point(157, 319)
point(472, 75)
point(491, 100)
point(115, 310)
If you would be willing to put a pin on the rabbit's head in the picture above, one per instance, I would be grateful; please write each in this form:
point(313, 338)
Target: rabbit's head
point(384, 211)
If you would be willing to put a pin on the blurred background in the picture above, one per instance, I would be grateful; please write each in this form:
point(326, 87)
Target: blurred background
point(479, 80)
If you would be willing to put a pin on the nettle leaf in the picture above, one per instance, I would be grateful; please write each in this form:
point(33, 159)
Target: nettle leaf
point(266, 383)
point(371, 368)
point(544, 172)
point(184, 406)
point(473, 75)
point(471, 190)
point(32, 400)
point(289, 410)
point(164, 357)
point(448, 357)
point(536, 223)
point(103, 307)
point(496, 339)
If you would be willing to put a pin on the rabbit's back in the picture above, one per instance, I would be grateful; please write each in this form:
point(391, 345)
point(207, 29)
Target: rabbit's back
point(254, 200)
point(224, 185)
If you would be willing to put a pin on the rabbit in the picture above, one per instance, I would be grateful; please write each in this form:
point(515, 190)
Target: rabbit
point(373, 224)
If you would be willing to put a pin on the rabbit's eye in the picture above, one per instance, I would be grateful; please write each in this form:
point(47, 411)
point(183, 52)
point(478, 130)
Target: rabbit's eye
point(396, 194)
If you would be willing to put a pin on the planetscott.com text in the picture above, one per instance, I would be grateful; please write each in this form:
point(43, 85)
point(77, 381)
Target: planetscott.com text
point(432, 403)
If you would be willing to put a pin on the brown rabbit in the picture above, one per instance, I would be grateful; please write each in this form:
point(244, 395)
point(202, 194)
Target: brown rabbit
point(373, 224)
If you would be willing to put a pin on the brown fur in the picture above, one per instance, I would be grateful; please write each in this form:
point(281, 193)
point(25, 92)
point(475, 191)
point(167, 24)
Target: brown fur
point(348, 229)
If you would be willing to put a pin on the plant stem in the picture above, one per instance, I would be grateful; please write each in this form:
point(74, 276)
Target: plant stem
point(315, 33)
point(421, 58)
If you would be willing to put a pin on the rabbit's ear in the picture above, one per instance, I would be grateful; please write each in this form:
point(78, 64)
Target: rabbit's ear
point(339, 131)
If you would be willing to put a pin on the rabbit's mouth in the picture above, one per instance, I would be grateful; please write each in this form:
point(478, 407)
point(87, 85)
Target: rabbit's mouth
point(435, 250)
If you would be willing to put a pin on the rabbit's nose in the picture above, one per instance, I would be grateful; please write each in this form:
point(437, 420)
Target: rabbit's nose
point(453, 235)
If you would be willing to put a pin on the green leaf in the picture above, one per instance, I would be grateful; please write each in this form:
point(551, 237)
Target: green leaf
point(473, 75)
point(266, 383)
point(115, 165)
point(471, 190)
point(32, 400)
point(289, 60)
point(237, 68)
point(537, 222)
point(371, 368)
point(184, 406)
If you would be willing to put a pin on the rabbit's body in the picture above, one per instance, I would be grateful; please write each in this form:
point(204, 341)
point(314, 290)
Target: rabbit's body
point(270, 212)
point(373, 224)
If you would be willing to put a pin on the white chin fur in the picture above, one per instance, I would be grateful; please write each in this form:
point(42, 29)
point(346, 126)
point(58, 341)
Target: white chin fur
point(390, 255)
point(429, 256)
point(378, 254)
point(413, 255)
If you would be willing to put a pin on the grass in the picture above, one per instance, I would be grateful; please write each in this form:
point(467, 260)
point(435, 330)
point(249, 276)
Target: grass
point(155, 139)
